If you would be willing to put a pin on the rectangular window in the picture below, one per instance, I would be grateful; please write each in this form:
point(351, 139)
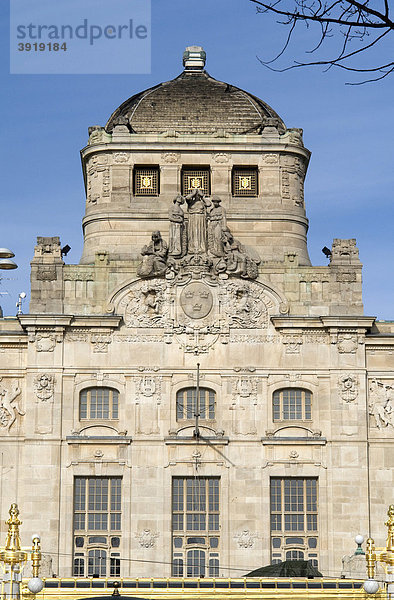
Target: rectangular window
point(244, 182)
point(146, 181)
point(196, 178)
point(97, 508)
point(195, 516)
point(294, 527)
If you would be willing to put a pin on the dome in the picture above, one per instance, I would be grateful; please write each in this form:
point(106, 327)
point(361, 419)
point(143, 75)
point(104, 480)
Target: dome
point(194, 102)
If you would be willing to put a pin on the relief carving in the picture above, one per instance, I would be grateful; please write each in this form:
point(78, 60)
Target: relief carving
point(381, 403)
point(45, 342)
point(147, 538)
point(244, 405)
point(244, 306)
point(78, 275)
point(270, 159)
point(48, 246)
point(121, 157)
point(292, 342)
point(246, 538)
point(348, 387)
point(44, 386)
point(170, 157)
point(9, 407)
point(221, 157)
point(46, 273)
point(285, 185)
point(144, 305)
point(347, 343)
point(344, 252)
point(148, 400)
point(349, 277)
point(196, 300)
point(100, 342)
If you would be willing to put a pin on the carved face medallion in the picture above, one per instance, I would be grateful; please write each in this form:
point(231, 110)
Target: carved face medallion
point(196, 300)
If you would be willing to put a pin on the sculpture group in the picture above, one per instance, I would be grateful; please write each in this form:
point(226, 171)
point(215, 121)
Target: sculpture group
point(199, 237)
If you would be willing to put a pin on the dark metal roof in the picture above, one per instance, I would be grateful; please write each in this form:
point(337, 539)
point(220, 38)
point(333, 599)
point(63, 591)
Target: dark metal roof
point(193, 102)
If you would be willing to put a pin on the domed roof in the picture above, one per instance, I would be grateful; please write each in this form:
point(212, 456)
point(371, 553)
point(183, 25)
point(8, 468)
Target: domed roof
point(194, 102)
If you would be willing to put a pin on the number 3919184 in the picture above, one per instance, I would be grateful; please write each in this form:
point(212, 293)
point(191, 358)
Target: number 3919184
point(42, 47)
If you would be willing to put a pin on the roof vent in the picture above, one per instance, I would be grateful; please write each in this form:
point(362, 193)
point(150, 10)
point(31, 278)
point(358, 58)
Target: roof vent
point(194, 58)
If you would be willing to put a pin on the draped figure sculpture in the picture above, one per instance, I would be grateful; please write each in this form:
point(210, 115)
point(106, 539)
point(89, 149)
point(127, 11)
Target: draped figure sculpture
point(216, 224)
point(154, 257)
point(197, 225)
point(177, 238)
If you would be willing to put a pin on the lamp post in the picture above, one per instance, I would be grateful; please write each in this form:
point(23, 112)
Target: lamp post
point(6, 264)
point(384, 556)
point(14, 558)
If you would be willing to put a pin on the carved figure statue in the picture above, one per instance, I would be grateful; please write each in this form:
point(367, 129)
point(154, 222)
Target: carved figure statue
point(177, 238)
point(380, 406)
point(236, 259)
point(216, 224)
point(9, 408)
point(154, 255)
point(197, 225)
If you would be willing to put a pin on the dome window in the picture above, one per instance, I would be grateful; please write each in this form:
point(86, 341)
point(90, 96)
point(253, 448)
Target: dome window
point(146, 181)
point(195, 178)
point(245, 182)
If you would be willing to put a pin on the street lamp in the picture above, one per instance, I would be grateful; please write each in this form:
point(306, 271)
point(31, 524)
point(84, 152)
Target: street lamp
point(6, 264)
point(385, 556)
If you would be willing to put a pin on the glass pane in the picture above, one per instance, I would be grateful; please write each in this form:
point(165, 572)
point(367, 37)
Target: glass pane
point(179, 405)
point(115, 521)
point(114, 569)
point(79, 493)
point(83, 405)
point(115, 493)
point(79, 567)
point(177, 567)
point(213, 567)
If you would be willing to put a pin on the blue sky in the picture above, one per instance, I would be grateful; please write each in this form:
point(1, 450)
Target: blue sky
point(349, 130)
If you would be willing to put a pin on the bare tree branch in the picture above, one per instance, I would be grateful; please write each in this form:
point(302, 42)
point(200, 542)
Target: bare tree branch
point(354, 20)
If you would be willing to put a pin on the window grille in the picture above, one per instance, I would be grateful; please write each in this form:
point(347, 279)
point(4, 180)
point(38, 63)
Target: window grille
point(195, 517)
point(195, 179)
point(186, 404)
point(99, 403)
point(292, 404)
point(244, 182)
point(97, 513)
point(146, 181)
point(294, 511)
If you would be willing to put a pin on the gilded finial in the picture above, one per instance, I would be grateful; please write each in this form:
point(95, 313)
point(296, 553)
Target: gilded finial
point(13, 541)
point(370, 558)
point(390, 524)
point(36, 555)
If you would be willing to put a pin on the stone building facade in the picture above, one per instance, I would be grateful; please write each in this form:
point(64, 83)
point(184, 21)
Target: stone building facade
point(195, 253)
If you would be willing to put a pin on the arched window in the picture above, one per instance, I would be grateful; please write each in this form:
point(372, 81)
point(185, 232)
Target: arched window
point(292, 404)
point(187, 406)
point(98, 403)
